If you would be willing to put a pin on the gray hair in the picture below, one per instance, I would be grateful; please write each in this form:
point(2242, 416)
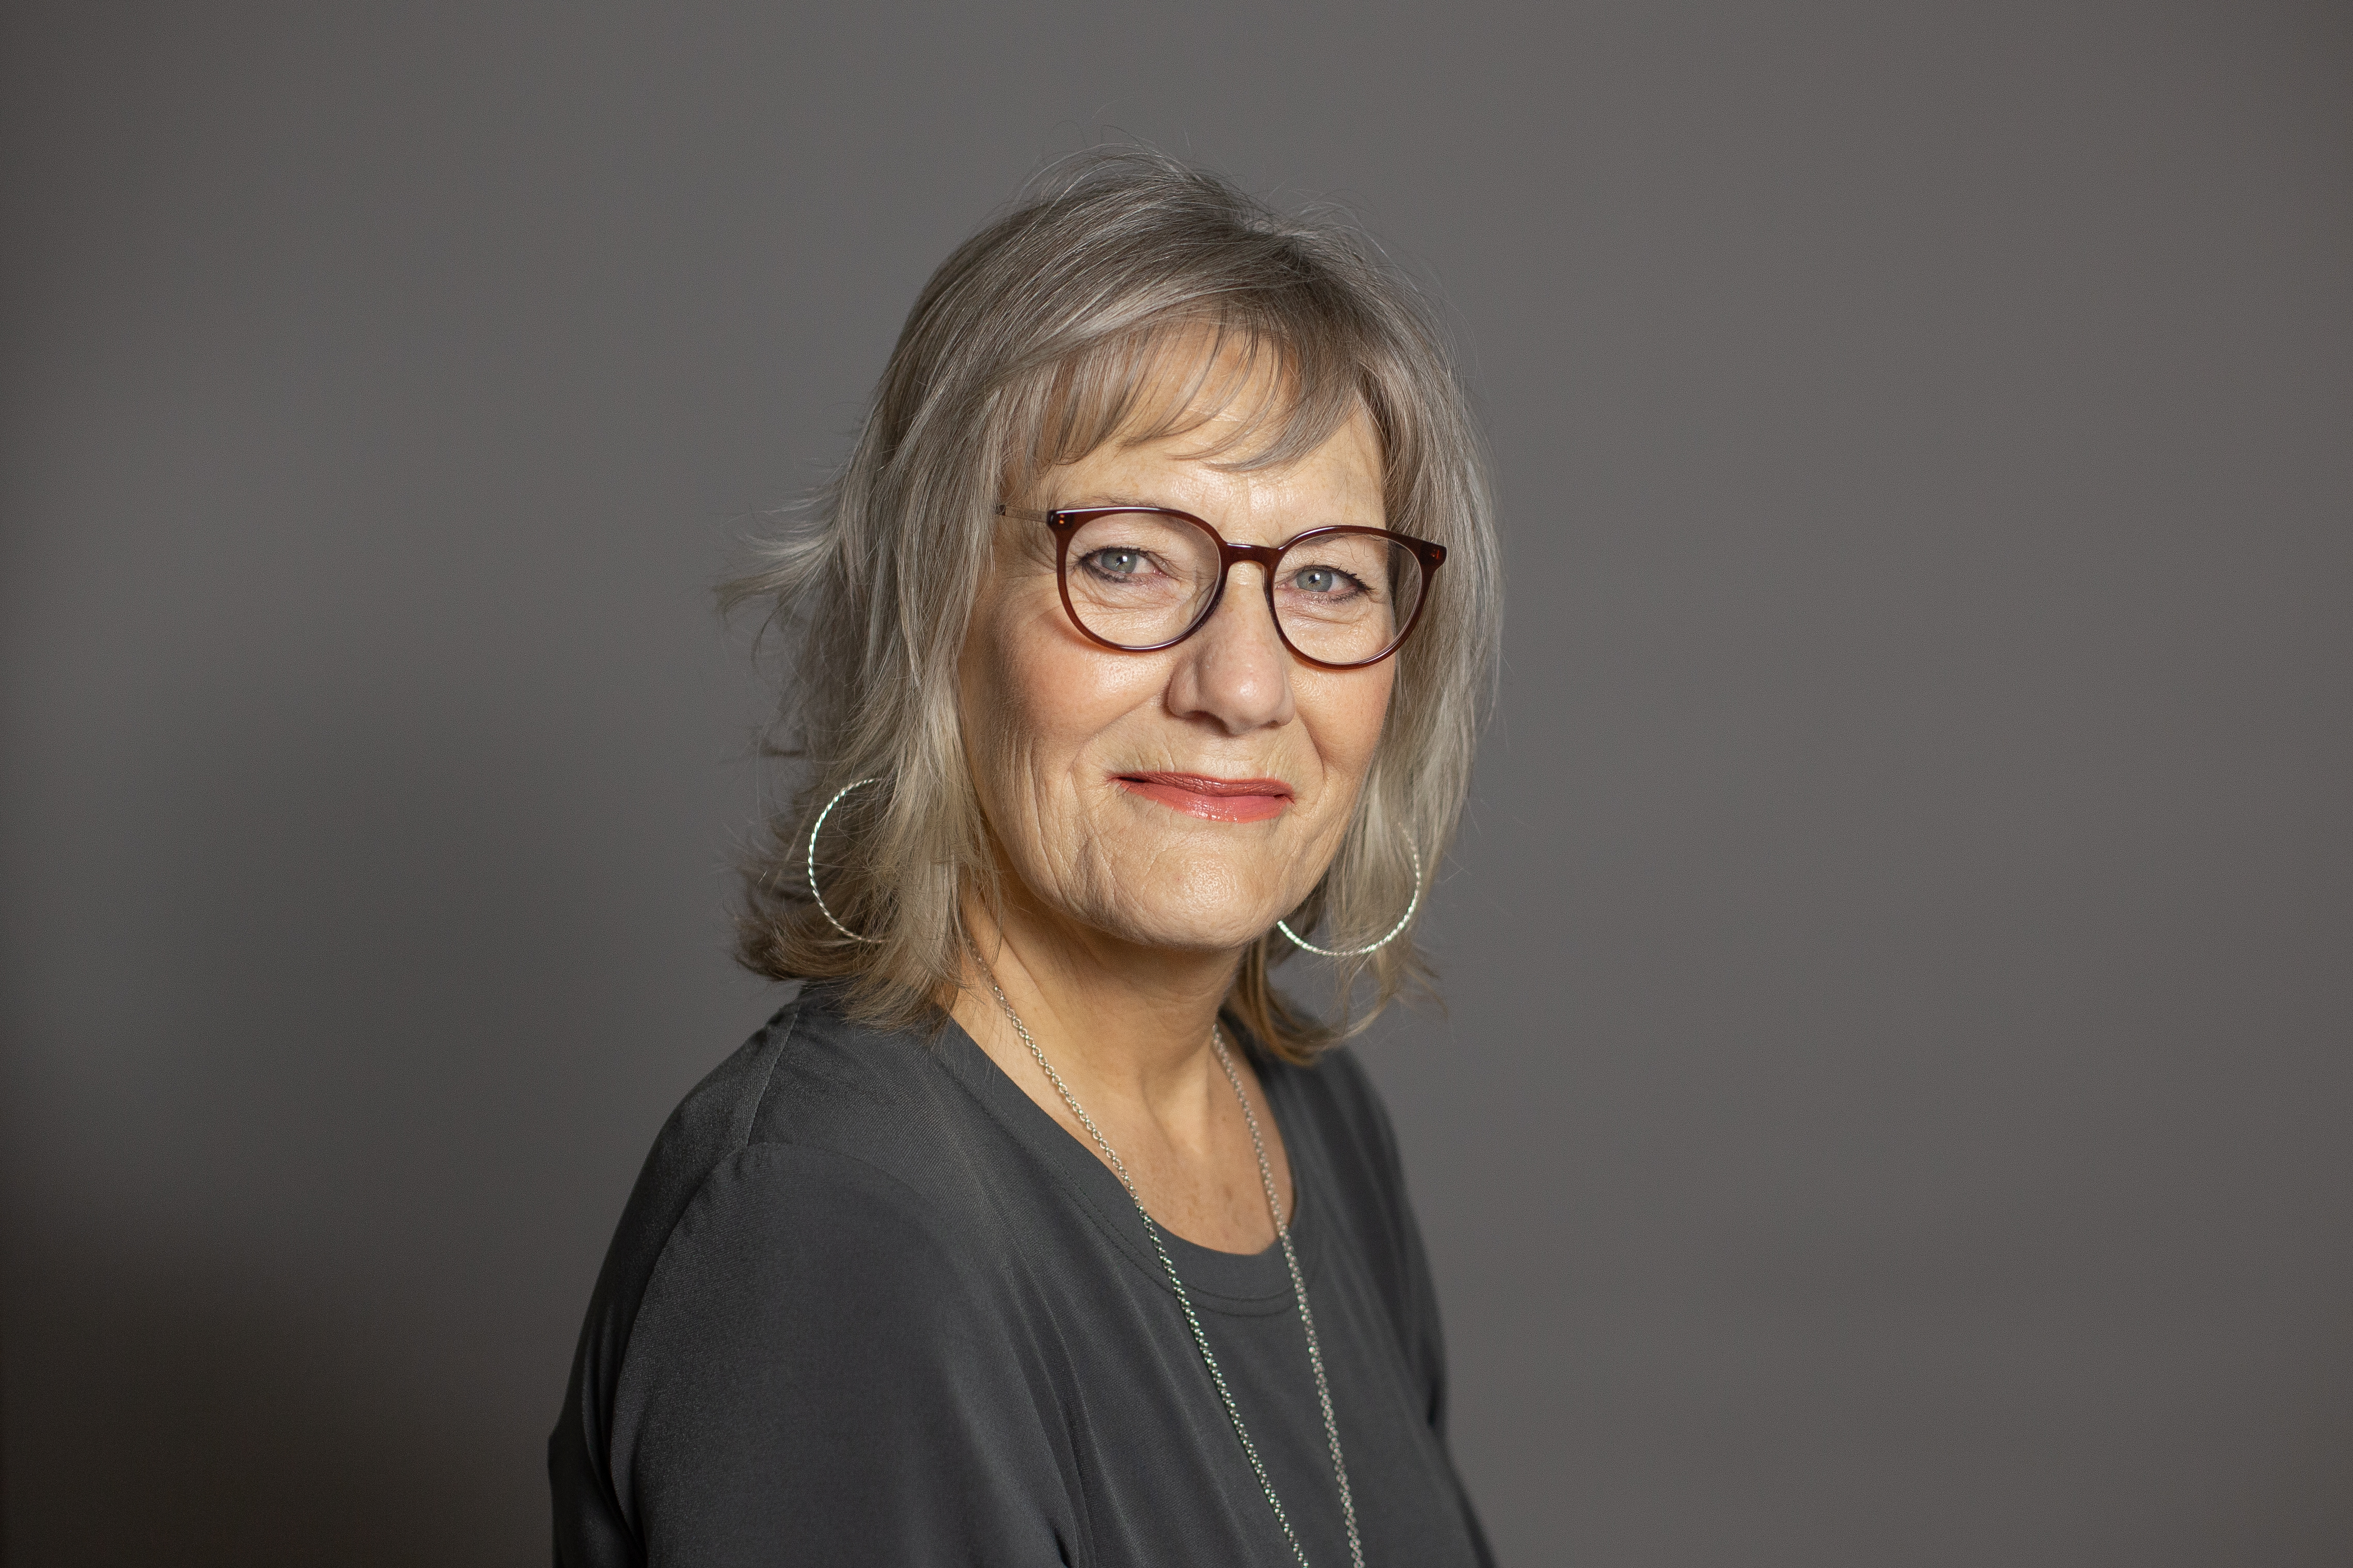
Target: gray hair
point(1032, 345)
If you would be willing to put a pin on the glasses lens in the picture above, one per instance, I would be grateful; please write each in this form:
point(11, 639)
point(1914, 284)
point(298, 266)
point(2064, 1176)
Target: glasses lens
point(1139, 579)
point(1345, 598)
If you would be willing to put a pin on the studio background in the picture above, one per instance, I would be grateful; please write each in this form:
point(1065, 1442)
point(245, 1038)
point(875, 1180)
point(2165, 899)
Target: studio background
point(1891, 1105)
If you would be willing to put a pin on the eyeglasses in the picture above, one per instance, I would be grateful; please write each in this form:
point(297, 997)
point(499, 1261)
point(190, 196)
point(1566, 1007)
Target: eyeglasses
point(1140, 579)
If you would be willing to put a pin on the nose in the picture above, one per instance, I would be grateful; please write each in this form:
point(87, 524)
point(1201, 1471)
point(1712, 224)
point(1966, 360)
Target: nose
point(1234, 672)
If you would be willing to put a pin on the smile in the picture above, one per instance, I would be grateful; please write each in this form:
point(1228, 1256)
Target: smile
point(1212, 800)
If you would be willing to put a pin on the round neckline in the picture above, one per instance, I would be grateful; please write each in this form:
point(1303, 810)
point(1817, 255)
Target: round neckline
point(1248, 1284)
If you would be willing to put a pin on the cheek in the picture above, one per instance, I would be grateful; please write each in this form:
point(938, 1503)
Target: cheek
point(1345, 714)
point(1034, 693)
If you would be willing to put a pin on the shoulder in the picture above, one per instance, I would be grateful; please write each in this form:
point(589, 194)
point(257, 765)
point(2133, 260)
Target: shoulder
point(784, 1246)
point(818, 1134)
point(821, 1137)
point(1339, 1113)
point(815, 1236)
point(826, 1358)
point(1338, 1098)
point(812, 1102)
point(1338, 1076)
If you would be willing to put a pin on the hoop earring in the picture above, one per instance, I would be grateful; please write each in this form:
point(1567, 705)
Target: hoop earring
point(1403, 921)
point(818, 828)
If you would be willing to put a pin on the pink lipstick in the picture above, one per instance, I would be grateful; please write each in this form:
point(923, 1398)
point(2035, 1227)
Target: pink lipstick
point(1212, 800)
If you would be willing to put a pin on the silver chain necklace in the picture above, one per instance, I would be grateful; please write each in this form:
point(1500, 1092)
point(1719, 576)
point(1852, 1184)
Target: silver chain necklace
point(1200, 1340)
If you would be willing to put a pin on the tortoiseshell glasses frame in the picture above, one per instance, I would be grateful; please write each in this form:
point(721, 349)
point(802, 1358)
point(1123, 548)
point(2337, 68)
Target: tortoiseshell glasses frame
point(1065, 523)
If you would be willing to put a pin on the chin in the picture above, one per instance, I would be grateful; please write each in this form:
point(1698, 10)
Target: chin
point(1202, 909)
point(1171, 938)
point(1195, 934)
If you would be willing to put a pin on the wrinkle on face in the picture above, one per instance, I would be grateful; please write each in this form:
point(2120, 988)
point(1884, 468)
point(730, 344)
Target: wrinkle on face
point(1050, 718)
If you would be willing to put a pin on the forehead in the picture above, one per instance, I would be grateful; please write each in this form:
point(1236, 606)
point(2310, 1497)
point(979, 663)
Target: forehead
point(1340, 479)
point(1250, 397)
point(1223, 423)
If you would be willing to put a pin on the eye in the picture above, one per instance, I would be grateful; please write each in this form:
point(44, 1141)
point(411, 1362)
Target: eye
point(1118, 561)
point(1324, 582)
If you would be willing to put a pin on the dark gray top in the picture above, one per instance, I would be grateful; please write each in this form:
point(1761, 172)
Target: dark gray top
point(869, 1304)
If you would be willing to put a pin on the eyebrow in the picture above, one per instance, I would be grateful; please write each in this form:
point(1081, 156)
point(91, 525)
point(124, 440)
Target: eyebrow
point(1108, 498)
point(1143, 504)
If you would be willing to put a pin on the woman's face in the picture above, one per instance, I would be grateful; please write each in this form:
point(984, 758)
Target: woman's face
point(1094, 766)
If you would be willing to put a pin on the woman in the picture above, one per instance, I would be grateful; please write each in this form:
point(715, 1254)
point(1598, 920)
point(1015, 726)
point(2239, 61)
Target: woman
point(1139, 643)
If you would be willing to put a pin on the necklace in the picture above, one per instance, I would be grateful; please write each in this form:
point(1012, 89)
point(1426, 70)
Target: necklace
point(1201, 1339)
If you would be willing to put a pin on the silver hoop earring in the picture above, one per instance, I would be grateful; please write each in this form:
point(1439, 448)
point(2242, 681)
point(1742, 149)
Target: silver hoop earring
point(1403, 921)
point(818, 828)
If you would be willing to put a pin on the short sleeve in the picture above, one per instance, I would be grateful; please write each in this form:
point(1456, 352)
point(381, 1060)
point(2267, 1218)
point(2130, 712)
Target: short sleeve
point(816, 1375)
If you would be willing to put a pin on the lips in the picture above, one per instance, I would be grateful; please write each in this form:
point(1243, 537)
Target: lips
point(1212, 800)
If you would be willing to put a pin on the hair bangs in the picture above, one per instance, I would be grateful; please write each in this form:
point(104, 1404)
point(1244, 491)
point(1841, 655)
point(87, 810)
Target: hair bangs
point(1263, 390)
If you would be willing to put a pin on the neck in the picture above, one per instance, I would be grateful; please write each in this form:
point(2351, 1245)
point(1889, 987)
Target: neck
point(1132, 1022)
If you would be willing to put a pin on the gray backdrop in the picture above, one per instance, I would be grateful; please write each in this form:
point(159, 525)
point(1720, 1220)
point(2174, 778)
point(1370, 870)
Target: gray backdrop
point(1891, 1105)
